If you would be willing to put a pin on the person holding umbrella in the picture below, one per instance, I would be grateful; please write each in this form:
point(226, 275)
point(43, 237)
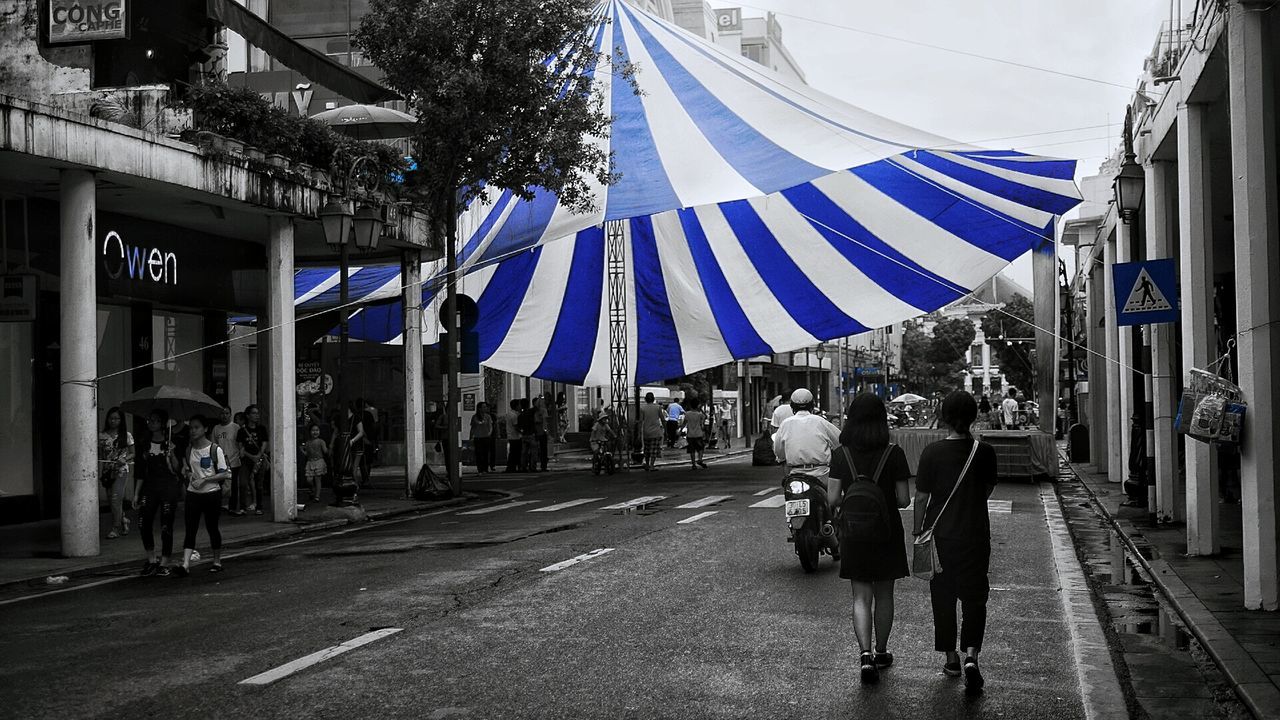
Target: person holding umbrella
point(158, 490)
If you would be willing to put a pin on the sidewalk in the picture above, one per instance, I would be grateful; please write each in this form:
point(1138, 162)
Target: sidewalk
point(29, 552)
point(1206, 592)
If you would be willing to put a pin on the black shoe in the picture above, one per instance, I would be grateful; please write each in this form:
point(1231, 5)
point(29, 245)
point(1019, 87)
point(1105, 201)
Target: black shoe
point(870, 673)
point(180, 571)
point(884, 659)
point(165, 571)
point(951, 669)
point(149, 567)
point(973, 681)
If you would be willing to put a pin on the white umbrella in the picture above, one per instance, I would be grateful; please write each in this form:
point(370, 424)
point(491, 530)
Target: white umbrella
point(908, 399)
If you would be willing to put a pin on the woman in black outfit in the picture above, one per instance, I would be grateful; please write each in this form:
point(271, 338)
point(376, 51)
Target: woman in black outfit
point(159, 489)
point(962, 533)
point(872, 568)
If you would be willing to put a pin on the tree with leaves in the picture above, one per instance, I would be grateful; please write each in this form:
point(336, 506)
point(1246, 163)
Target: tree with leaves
point(503, 95)
point(1009, 332)
point(932, 361)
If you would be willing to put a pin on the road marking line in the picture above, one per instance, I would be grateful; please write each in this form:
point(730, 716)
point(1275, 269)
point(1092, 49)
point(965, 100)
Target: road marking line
point(999, 506)
point(563, 505)
point(696, 518)
point(496, 508)
point(574, 561)
point(766, 491)
point(776, 501)
point(303, 663)
point(709, 500)
point(648, 499)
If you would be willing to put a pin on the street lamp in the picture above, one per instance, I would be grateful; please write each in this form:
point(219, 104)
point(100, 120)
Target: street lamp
point(368, 227)
point(1130, 181)
point(821, 352)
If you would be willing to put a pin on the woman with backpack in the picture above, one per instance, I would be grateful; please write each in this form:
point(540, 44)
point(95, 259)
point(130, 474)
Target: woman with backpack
point(869, 482)
point(955, 478)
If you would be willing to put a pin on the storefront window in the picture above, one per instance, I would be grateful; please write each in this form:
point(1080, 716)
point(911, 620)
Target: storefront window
point(17, 476)
point(173, 334)
point(113, 358)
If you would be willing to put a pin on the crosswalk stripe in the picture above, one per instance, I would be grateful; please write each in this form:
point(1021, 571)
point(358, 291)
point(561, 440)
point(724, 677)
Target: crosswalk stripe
point(635, 503)
point(575, 560)
point(302, 663)
point(563, 505)
point(496, 508)
point(776, 501)
point(766, 491)
point(999, 506)
point(696, 518)
point(709, 500)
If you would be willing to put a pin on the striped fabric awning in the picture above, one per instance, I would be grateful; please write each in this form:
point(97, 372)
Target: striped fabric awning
point(760, 216)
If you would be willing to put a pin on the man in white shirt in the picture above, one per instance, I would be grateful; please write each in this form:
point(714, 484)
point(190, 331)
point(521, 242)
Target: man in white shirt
point(781, 413)
point(1009, 410)
point(804, 441)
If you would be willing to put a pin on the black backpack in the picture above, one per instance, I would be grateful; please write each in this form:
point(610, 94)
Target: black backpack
point(864, 514)
point(762, 451)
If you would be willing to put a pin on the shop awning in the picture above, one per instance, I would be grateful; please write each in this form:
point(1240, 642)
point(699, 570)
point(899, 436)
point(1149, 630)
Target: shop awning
point(296, 56)
point(760, 215)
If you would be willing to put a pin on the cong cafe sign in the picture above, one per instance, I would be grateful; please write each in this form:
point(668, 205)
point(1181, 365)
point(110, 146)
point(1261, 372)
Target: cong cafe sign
point(75, 21)
point(124, 261)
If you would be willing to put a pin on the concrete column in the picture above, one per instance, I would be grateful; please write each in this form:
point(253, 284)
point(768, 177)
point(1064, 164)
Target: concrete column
point(1099, 367)
point(1195, 252)
point(1159, 237)
point(415, 438)
point(1116, 426)
point(1044, 290)
point(78, 296)
point(281, 380)
point(1123, 429)
point(1257, 258)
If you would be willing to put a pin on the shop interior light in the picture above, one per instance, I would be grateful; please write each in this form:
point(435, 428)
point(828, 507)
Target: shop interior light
point(368, 225)
point(336, 218)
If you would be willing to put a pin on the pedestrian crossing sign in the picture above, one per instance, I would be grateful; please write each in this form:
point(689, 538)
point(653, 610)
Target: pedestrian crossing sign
point(1146, 292)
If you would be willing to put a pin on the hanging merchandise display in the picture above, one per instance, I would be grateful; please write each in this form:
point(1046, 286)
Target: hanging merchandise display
point(1212, 409)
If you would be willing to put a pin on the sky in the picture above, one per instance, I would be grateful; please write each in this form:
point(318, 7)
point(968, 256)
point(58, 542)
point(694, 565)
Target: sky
point(970, 99)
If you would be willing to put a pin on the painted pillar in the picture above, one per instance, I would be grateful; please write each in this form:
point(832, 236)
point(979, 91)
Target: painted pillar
point(1122, 429)
point(1116, 425)
point(1044, 291)
point(281, 370)
point(1195, 252)
point(1099, 389)
point(1257, 260)
point(78, 297)
point(415, 438)
point(1159, 236)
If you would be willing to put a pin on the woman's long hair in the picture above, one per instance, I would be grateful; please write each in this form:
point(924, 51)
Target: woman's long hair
point(866, 423)
point(958, 411)
point(122, 435)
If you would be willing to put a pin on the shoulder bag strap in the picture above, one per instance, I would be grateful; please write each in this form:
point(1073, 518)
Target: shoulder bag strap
point(964, 471)
point(848, 458)
point(884, 458)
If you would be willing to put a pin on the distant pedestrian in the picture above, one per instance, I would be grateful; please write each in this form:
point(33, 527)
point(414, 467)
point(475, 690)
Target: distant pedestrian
point(316, 451)
point(541, 427)
point(482, 432)
point(511, 421)
point(115, 458)
point(562, 417)
point(695, 427)
point(526, 423)
point(205, 469)
point(651, 431)
point(602, 434)
point(954, 479)
point(356, 446)
point(224, 436)
point(674, 414)
point(370, 445)
point(252, 440)
point(1009, 410)
point(157, 493)
point(872, 557)
point(984, 409)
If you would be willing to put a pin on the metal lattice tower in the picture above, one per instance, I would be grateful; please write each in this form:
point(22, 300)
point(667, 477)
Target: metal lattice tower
point(616, 256)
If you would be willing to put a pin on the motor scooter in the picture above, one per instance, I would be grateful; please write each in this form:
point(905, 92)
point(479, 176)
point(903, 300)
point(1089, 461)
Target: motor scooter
point(809, 523)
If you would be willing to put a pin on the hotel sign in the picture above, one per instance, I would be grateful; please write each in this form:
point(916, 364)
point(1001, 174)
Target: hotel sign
point(729, 19)
point(78, 21)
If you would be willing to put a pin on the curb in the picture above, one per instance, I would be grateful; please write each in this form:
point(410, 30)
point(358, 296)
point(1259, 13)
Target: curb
point(1249, 681)
point(285, 530)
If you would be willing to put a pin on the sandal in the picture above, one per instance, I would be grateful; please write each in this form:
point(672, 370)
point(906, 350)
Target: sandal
point(884, 659)
point(217, 568)
point(870, 673)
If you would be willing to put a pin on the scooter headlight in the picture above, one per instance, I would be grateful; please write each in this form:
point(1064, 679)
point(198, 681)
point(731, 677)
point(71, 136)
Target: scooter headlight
point(797, 487)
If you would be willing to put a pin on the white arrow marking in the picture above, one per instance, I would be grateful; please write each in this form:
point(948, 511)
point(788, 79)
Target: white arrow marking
point(303, 663)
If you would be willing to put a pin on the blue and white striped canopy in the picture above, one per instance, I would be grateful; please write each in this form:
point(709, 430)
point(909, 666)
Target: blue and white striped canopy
point(760, 216)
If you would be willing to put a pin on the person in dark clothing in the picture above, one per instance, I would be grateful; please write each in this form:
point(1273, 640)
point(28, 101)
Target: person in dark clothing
point(158, 491)
point(511, 423)
point(872, 568)
point(527, 424)
point(954, 478)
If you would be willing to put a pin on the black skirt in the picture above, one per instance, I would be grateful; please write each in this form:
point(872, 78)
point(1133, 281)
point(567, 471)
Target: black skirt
point(874, 562)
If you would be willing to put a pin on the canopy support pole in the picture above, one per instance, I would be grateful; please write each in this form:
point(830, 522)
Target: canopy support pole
point(616, 256)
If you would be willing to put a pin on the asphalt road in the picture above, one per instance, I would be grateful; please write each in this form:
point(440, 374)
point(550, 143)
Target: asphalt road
point(708, 619)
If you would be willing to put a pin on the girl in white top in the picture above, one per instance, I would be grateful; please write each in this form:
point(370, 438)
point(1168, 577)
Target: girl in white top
point(205, 469)
point(115, 458)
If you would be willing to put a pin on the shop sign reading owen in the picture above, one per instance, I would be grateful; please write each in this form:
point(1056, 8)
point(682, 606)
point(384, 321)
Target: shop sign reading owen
point(75, 21)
